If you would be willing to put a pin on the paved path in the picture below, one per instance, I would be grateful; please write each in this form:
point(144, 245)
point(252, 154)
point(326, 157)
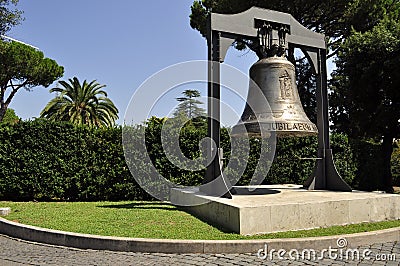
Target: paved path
point(15, 252)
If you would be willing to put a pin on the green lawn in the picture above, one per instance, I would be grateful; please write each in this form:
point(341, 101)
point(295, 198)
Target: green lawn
point(145, 220)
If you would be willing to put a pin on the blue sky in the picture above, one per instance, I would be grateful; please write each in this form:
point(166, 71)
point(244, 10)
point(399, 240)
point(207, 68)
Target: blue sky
point(119, 43)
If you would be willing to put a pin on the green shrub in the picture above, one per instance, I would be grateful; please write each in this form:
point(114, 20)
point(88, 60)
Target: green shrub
point(396, 166)
point(46, 160)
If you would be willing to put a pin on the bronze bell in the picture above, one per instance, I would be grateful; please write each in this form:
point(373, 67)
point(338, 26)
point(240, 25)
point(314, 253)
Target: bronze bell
point(273, 79)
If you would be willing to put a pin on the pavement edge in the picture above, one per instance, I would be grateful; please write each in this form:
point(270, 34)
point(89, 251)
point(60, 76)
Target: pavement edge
point(85, 241)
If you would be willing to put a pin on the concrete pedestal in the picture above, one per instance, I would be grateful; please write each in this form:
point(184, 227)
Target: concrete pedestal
point(275, 208)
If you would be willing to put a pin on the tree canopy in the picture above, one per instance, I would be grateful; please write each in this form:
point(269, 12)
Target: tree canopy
point(22, 66)
point(366, 82)
point(81, 104)
point(9, 16)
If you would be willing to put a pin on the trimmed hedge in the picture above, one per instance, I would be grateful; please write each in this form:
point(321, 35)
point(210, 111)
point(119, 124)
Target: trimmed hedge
point(46, 160)
point(43, 160)
point(396, 166)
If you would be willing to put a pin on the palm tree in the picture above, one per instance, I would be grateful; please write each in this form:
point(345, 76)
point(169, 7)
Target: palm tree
point(85, 104)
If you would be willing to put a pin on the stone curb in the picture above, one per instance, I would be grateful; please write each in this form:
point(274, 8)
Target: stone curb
point(85, 241)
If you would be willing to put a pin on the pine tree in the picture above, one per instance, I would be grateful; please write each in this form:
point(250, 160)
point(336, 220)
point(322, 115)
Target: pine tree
point(189, 106)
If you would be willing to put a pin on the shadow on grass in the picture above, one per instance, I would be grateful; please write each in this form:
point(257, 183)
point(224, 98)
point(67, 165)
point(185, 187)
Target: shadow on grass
point(142, 205)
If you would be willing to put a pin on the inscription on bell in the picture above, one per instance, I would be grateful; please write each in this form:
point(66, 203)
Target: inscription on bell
point(286, 86)
point(289, 127)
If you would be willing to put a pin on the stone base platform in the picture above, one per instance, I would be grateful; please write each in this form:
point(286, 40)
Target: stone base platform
point(276, 208)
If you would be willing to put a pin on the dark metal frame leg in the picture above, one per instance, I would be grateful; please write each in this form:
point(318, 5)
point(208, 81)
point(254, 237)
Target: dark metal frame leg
point(325, 175)
point(214, 183)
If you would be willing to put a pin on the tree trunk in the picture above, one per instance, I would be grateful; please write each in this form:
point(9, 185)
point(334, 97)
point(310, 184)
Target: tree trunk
point(3, 110)
point(387, 150)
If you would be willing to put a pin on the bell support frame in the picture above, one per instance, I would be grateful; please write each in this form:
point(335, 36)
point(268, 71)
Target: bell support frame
point(223, 30)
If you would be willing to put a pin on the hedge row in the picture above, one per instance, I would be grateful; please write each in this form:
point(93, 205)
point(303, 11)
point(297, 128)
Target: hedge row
point(57, 161)
point(45, 160)
point(396, 165)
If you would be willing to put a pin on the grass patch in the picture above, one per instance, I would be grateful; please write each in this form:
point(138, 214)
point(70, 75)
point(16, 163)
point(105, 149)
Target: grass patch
point(147, 220)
